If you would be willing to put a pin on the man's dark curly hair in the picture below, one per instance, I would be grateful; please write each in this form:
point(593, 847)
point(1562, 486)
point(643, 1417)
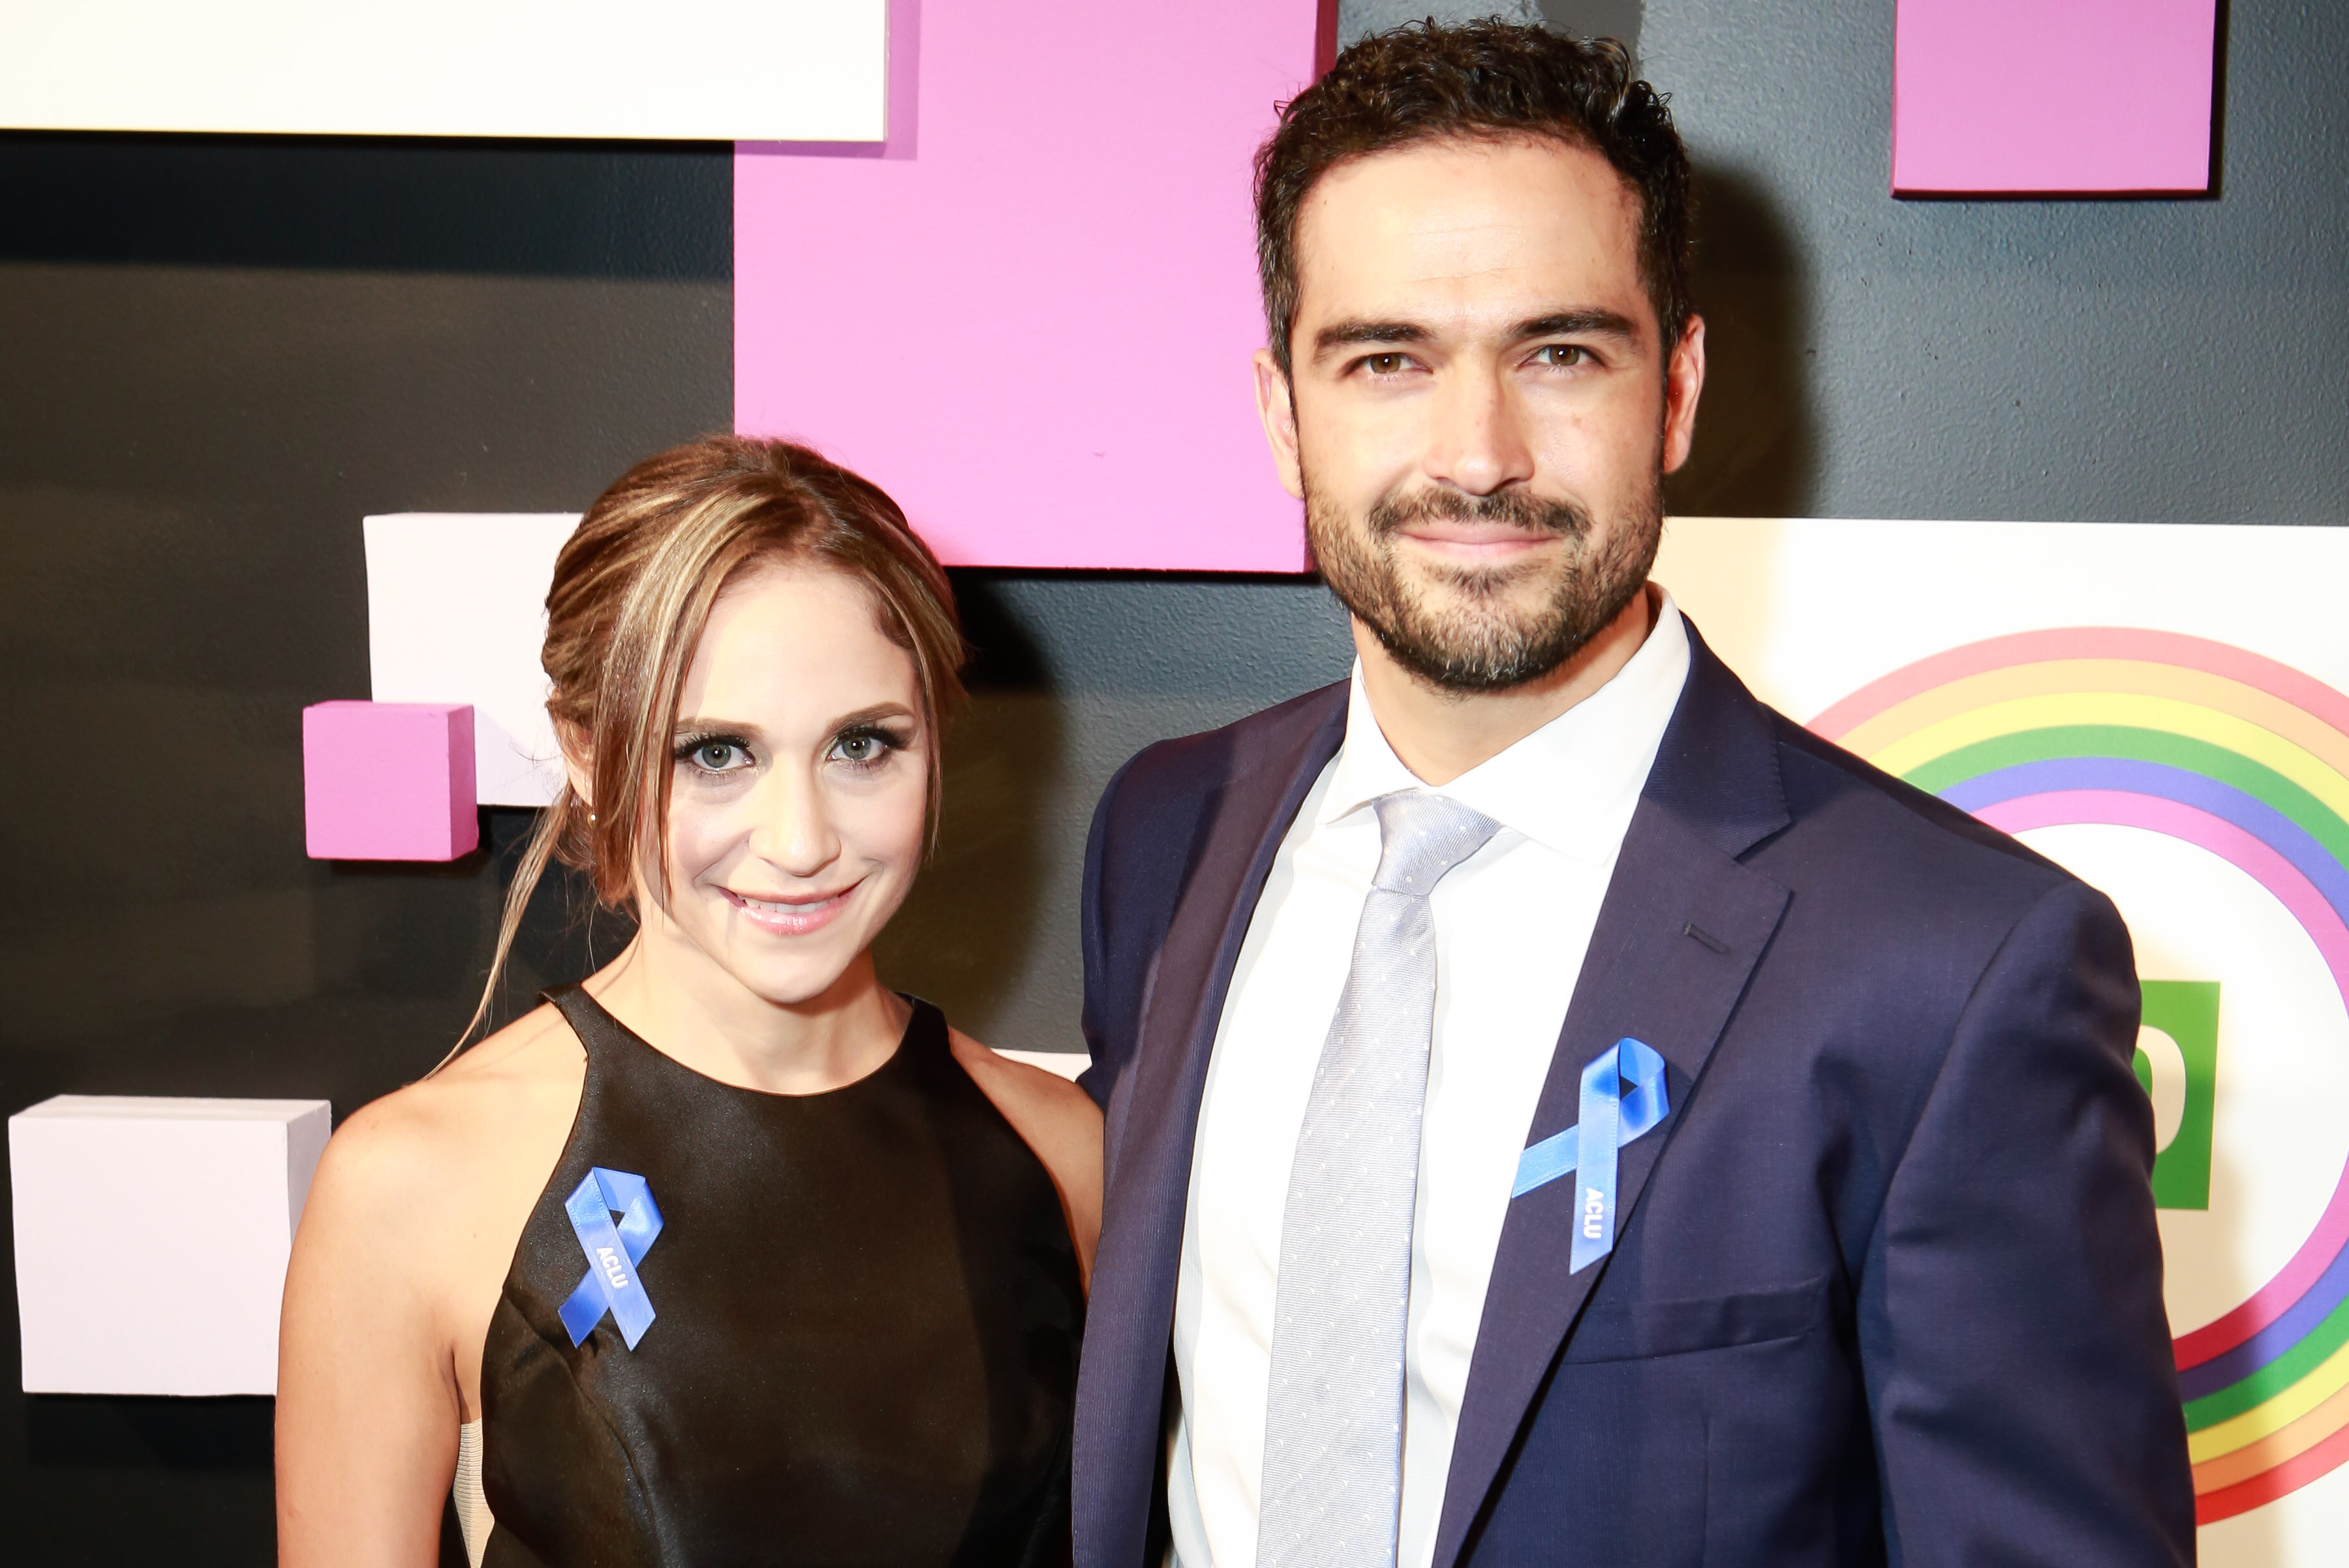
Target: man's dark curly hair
point(1429, 82)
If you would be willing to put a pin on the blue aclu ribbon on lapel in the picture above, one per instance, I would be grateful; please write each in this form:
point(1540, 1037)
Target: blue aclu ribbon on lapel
point(1623, 1097)
point(611, 1283)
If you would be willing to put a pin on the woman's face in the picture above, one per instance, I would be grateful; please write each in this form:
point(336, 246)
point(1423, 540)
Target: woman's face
point(801, 776)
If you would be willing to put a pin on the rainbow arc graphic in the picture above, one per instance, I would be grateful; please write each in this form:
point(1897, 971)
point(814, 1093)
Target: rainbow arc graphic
point(2237, 755)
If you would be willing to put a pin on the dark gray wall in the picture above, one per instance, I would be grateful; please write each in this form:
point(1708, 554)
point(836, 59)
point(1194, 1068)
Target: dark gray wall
point(2163, 361)
point(215, 356)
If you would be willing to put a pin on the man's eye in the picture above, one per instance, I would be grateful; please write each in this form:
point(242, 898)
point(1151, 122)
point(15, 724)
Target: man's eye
point(718, 756)
point(1563, 354)
point(1386, 364)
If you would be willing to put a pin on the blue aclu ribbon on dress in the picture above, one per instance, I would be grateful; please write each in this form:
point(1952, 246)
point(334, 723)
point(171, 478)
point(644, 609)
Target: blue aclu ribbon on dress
point(611, 1283)
point(1623, 1097)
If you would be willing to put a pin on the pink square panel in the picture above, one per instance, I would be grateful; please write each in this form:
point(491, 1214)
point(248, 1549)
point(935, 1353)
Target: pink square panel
point(388, 780)
point(1029, 316)
point(2022, 97)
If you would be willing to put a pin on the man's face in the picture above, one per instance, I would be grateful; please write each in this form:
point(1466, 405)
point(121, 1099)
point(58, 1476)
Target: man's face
point(1480, 409)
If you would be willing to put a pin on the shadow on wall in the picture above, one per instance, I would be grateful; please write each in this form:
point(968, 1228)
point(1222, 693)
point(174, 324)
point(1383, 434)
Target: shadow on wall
point(1757, 448)
point(978, 913)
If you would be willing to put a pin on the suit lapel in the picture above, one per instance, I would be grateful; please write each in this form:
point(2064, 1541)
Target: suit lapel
point(1678, 934)
point(1130, 1321)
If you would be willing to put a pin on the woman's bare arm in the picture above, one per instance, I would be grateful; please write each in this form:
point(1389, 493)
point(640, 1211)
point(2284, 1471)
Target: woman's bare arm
point(1056, 1119)
point(367, 1404)
point(405, 1242)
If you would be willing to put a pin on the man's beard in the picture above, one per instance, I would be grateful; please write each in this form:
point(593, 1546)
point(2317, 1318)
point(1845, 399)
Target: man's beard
point(1482, 643)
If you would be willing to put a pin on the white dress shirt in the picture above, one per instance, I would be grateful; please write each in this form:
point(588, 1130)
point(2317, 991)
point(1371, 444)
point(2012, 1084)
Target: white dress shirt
point(1511, 925)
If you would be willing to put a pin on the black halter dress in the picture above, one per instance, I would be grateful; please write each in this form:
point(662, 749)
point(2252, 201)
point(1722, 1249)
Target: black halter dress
point(865, 1343)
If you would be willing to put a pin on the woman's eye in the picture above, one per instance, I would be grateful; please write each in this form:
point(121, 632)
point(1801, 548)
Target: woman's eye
point(718, 756)
point(866, 748)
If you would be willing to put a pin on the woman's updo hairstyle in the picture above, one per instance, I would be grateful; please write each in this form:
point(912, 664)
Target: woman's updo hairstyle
point(633, 589)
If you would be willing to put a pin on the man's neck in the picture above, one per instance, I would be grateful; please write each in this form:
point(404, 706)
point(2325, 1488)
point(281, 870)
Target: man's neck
point(1440, 735)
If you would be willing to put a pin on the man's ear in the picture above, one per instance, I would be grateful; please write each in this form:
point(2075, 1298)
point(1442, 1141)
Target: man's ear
point(1683, 384)
point(1276, 405)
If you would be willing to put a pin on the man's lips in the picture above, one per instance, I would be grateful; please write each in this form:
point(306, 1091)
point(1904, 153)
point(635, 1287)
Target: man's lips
point(1461, 539)
point(790, 914)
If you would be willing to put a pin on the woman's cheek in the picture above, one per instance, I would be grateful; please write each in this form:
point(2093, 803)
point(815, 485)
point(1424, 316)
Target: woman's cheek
point(700, 834)
point(885, 827)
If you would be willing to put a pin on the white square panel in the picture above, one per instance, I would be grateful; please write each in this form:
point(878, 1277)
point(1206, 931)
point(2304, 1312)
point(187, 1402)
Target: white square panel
point(457, 613)
point(718, 70)
point(152, 1239)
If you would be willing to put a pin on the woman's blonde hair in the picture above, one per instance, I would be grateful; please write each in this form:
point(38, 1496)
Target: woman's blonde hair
point(633, 589)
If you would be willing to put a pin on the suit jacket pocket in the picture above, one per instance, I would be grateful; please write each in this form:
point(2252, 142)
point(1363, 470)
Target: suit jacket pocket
point(1641, 1330)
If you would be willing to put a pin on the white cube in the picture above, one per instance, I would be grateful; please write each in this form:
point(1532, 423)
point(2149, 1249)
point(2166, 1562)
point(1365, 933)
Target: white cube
point(152, 1239)
point(457, 613)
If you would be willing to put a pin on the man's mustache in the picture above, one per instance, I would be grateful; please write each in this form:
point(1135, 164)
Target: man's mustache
point(1515, 508)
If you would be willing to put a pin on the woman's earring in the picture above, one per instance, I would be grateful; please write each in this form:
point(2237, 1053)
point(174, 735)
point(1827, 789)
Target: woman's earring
point(591, 816)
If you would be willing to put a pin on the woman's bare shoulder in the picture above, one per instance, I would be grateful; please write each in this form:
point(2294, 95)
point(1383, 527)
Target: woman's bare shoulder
point(1051, 1100)
point(443, 1134)
point(1058, 1120)
point(410, 1223)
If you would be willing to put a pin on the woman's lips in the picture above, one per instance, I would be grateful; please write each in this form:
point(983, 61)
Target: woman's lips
point(790, 916)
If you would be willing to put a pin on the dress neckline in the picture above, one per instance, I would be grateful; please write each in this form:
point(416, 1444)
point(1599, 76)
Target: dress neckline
point(600, 1019)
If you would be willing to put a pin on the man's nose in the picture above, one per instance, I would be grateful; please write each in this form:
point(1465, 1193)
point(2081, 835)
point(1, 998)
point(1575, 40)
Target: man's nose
point(1479, 441)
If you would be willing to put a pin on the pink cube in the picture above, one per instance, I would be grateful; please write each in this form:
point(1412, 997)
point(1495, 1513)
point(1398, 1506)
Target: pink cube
point(388, 780)
point(2053, 97)
point(1029, 316)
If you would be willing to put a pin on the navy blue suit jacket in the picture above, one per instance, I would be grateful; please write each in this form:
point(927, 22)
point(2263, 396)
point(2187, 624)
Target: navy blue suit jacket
point(1887, 1286)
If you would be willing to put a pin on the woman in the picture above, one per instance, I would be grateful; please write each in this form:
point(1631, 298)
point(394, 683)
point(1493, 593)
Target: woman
point(733, 1254)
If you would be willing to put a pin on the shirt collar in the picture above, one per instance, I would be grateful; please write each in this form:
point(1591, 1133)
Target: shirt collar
point(1572, 784)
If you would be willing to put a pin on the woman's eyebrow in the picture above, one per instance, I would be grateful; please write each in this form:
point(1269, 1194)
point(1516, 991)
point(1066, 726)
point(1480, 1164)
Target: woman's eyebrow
point(872, 715)
point(696, 725)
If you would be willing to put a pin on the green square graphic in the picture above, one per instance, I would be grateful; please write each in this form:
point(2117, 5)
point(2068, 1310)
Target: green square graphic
point(2177, 1065)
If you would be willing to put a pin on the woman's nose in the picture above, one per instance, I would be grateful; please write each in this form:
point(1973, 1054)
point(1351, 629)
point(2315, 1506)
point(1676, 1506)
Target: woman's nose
point(794, 831)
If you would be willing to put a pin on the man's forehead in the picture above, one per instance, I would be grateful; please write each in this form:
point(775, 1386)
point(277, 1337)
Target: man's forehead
point(1464, 220)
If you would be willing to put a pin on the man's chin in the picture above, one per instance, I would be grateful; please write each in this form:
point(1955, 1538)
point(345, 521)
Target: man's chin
point(1503, 597)
point(1468, 647)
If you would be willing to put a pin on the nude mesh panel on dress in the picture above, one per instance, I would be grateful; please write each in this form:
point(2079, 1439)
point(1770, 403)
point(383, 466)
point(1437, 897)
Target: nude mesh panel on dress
point(472, 1509)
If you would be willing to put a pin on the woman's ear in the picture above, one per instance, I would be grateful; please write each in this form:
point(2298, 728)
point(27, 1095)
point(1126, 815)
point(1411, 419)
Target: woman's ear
point(578, 764)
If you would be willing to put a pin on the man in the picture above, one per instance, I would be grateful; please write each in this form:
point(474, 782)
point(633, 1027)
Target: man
point(1557, 1109)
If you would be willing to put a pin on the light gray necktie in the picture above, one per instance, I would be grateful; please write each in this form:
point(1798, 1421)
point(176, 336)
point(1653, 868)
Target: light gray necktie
point(1334, 1414)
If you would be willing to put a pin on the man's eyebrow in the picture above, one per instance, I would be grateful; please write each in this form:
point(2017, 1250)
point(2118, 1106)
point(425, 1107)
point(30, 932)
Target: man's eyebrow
point(1576, 323)
point(1342, 334)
